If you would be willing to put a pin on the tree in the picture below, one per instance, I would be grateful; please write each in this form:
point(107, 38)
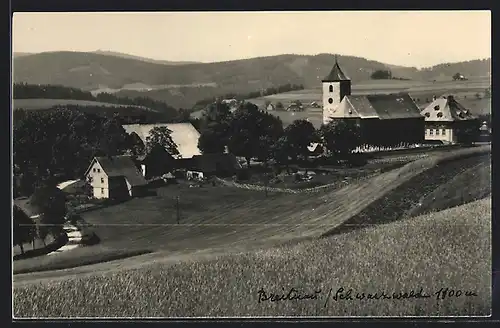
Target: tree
point(251, 132)
point(281, 151)
point(214, 138)
point(23, 228)
point(52, 203)
point(299, 135)
point(468, 132)
point(161, 135)
point(215, 128)
point(135, 146)
point(217, 112)
point(381, 75)
point(340, 137)
point(457, 76)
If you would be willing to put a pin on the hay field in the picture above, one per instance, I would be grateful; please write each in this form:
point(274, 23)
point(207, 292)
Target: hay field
point(448, 249)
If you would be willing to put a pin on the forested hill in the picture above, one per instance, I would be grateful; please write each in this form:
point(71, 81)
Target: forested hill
point(184, 85)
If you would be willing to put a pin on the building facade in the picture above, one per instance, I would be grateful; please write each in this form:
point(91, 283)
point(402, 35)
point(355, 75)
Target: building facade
point(446, 120)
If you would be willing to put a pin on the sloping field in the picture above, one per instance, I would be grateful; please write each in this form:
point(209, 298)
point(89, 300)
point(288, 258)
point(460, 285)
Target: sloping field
point(473, 184)
point(30, 104)
point(448, 249)
point(406, 196)
point(217, 219)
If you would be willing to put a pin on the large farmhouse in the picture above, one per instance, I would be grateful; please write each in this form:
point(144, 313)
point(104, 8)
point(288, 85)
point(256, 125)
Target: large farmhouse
point(383, 119)
point(115, 177)
point(444, 118)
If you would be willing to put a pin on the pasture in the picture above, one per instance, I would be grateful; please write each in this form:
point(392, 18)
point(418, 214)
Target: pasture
point(40, 104)
point(448, 249)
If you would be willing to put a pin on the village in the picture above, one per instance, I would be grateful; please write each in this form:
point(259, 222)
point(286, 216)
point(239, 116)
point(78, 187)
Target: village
point(408, 133)
point(197, 169)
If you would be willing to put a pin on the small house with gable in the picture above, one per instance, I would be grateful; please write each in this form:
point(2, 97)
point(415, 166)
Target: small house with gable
point(115, 177)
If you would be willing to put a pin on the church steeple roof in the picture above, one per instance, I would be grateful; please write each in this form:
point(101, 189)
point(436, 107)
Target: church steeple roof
point(336, 74)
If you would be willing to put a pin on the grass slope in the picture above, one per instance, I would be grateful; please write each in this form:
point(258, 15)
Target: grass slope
point(30, 104)
point(73, 258)
point(402, 199)
point(448, 249)
point(473, 184)
point(91, 71)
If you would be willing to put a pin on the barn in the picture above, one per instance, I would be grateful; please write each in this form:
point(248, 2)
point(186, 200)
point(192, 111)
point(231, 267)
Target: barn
point(384, 119)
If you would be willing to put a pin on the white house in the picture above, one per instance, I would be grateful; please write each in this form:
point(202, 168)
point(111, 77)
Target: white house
point(114, 177)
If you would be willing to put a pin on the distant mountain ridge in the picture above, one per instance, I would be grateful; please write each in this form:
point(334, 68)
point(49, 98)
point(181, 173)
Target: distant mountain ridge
point(182, 84)
point(145, 59)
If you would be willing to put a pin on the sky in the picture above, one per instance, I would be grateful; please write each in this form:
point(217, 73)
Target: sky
point(411, 38)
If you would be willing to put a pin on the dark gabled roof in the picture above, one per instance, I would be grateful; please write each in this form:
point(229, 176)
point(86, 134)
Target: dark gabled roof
point(336, 74)
point(384, 107)
point(120, 166)
point(394, 106)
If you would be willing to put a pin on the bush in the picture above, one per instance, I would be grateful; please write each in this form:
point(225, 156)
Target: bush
point(90, 239)
point(243, 175)
point(357, 160)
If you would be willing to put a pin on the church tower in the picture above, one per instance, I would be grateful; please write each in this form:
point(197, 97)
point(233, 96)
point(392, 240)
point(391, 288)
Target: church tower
point(336, 85)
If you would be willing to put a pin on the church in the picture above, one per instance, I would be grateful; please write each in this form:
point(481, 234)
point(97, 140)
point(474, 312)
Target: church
point(384, 119)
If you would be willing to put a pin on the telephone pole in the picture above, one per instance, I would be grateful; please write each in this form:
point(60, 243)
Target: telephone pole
point(177, 209)
point(266, 183)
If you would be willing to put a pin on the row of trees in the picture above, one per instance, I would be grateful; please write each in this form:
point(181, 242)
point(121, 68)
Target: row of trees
point(251, 133)
point(254, 94)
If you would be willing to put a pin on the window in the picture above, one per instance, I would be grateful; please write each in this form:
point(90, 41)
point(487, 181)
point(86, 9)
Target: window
point(98, 170)
point(102, 180)
point(330, 100)
point(425, 131)
point(436, 107)
point(102, 191)
point(93, 170)
point(330, 88)
point(443, 132)
point(440, 114)
point(431, 132)
point(437, 132)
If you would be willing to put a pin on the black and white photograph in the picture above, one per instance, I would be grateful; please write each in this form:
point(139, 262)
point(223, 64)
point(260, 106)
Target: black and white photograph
point(251, 164)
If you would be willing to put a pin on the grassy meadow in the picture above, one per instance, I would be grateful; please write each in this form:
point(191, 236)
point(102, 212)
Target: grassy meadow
point(31, 104)
point(448, 249)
